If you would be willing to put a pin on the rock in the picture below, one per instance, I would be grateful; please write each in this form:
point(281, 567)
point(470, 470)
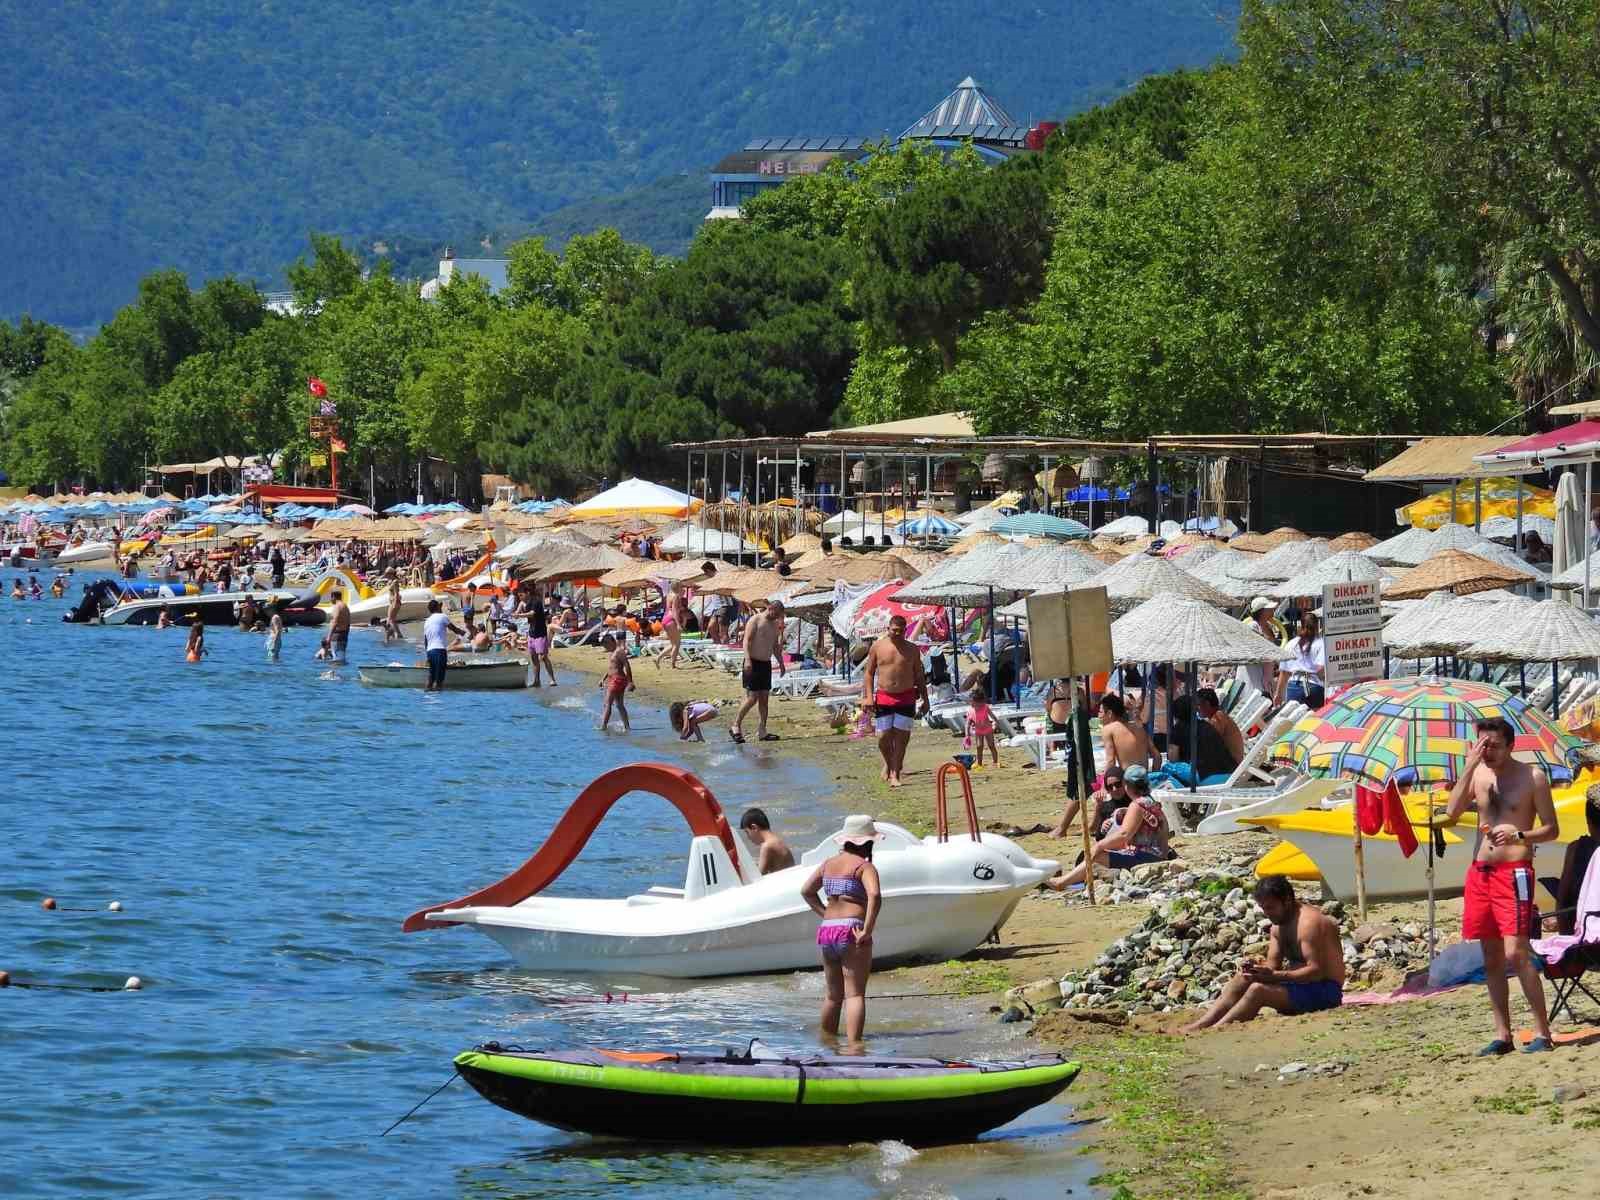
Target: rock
point(1013, 1014)
point(1372, 931)
point(1565, 1093)
point(1260, 1067)
point(1294, 1068)
point(1177, 989)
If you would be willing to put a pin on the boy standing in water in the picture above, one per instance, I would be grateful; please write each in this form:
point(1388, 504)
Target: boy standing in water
point(618, 681)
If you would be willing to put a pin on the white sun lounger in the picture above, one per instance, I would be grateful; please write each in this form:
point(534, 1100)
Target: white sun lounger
point(1250, 768)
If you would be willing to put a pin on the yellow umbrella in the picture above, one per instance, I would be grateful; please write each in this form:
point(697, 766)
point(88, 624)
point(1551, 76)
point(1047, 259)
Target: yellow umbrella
point(1499, 500)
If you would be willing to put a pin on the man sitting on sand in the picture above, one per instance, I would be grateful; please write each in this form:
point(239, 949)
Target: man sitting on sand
point(1304, 971)
point(774, 852)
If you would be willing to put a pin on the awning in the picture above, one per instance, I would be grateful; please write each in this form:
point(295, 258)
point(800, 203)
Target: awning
point(280, 493)
point(1438, 460)
point(938, 425)
point(1568, 444)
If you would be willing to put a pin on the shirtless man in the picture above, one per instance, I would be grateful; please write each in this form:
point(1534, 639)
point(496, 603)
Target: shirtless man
point(774, 853)
point(1125, 744)
point(339, 627)
point(1227, 728)
point(763, 638)
point(391, 616)
point(1515, 813)
point(618, 680)
point(1304, 971)
point(896, 689)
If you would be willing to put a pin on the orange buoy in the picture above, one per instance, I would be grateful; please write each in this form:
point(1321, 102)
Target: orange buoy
point(48, 903)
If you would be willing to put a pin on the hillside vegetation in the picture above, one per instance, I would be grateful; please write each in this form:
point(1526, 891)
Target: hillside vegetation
point(211, 136)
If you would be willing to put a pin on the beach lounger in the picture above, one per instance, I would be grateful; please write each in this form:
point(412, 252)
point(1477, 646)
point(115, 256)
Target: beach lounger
point(1249, 776)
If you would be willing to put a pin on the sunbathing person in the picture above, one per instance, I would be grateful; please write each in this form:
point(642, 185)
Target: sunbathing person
point(1140, 834)
point(1304, 971)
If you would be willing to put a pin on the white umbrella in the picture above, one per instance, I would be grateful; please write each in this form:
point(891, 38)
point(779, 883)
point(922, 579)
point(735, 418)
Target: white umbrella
point(1172, 628)
point(1568, 549)
point(1218, 570)
point(1124, 527)
point(1405, 549)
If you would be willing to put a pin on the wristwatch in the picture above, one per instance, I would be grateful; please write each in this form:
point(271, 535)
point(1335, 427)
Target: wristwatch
point(1521, 837)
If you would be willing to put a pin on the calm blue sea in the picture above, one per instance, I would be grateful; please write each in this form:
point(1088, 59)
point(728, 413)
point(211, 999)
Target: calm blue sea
point(266, 827)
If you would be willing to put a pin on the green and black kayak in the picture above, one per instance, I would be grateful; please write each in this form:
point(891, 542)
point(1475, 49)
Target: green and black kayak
point(755, 1099)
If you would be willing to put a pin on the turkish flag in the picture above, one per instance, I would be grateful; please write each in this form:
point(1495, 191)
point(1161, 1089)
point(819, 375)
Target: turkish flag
point(316, 387)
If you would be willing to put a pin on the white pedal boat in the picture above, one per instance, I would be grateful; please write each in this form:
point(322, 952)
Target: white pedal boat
point(85, 552)
point(413, 605)
point(941, 897)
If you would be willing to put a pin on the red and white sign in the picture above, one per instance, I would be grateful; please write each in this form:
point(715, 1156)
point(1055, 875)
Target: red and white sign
point(1352, 632)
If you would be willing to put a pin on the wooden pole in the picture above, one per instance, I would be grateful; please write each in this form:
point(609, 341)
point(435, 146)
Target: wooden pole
point(1361, 873)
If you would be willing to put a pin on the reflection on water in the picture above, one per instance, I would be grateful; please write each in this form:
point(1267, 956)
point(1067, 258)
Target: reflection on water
point(266, 826)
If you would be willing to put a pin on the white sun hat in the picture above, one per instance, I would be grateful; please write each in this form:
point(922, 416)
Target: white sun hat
point(858, 828)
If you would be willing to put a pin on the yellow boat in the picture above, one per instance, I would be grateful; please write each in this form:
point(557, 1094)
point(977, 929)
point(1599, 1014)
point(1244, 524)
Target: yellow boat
point(1320, 844)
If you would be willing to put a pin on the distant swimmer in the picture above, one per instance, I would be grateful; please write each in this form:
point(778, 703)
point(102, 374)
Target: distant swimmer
point(164, 621)
point(35, 592)
point(58, 587)
point(16, 590)
point(196, 649)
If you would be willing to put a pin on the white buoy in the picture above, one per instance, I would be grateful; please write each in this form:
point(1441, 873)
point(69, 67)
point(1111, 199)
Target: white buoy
point(115, 906)
point(133, 985)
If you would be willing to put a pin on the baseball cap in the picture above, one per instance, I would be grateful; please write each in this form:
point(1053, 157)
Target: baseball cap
point(1135, 774)
point(1259, 603)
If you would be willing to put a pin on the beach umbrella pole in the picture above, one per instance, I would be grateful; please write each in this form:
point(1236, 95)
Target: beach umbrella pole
point(1361, 873)
point(1431, 929)
point(1194, 734)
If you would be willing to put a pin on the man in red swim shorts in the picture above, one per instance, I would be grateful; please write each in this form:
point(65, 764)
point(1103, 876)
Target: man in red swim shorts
point(1515, 812)
point(895, 687)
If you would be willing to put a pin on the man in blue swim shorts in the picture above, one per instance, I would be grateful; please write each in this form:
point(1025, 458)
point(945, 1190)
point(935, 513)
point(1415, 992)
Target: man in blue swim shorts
point(1304, 971)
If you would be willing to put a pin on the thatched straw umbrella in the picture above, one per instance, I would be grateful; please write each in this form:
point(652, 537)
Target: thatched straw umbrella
point(1354, 540)
point(1251, 543)
point(1286, 560)
point(1550, 631)
point(1347, 566)
point(1455, 571)
point(1405, 549)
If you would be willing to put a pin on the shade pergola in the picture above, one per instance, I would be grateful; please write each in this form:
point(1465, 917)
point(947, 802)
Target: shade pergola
point(1455, 571)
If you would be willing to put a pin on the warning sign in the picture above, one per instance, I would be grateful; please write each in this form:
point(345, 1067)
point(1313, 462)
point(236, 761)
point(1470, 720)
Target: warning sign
point(1348, 607)
point(1352, 630)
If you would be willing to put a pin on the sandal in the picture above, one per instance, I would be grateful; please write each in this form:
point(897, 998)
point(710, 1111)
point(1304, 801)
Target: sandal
point(736, 736)
point(769, 737)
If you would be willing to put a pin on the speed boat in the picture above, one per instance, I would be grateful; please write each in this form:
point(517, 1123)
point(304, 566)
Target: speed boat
point(942, 895)
point(113, 602)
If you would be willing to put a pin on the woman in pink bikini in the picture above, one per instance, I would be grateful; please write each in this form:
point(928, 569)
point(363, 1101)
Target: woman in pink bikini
point(849, 882)
point(674, 615)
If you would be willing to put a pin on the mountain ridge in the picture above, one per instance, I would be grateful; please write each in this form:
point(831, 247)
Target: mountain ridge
point(213, 136)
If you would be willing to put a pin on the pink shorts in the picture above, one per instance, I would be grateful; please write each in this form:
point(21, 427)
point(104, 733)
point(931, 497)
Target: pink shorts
point(836, 936)
point(538, 645)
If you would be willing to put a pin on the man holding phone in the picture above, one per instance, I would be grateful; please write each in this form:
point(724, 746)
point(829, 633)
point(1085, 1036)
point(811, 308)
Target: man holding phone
point(1304, 971)
point(1515, 813)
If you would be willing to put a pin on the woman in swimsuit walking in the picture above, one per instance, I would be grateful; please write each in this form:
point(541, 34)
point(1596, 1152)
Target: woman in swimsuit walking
point(849, 882)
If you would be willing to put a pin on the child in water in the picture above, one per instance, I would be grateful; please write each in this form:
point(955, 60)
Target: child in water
point(16, 590)
point(688, 715)
point(196, 649)
point(980, 726)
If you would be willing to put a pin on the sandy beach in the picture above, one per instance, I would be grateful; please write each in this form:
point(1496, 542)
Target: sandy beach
point(1391, 1100)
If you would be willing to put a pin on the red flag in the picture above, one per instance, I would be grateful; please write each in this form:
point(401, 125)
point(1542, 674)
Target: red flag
point(335, 446)
point(316, 387)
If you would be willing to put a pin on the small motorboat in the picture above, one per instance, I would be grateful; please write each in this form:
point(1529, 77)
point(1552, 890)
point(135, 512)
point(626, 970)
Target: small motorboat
point(465, 673)
point(85, 552)
point(728, 1100)
point(114, 602)
point(942, 895)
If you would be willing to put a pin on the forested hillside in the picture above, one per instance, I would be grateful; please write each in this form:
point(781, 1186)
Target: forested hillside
point(211, 136)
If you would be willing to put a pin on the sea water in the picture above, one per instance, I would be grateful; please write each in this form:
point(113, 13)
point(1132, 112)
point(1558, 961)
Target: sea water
point(265, 827)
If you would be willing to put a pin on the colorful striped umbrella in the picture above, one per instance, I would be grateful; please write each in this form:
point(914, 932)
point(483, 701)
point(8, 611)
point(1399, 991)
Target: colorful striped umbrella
point(928, 525)
point(1375, 730)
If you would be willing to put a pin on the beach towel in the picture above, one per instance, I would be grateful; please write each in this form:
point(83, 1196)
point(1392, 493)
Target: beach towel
point(1587, 924)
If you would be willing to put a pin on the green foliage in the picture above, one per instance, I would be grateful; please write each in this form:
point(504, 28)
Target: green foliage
point(210, 136)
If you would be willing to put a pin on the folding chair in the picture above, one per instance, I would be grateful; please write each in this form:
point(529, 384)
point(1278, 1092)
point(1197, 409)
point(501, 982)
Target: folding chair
point(1568, 956)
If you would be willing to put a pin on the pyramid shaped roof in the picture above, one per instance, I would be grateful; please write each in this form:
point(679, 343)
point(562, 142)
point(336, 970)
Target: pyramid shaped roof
point(969, 104)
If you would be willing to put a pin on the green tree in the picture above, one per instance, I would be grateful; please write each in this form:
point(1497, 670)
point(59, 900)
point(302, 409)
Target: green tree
point(1491, 112)
point(333, 272)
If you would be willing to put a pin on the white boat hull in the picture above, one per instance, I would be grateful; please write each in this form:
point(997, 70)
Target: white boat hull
point(413, 605)
point(87, 552)
point(1389, 874)
point(940, 900)
point(463, 675)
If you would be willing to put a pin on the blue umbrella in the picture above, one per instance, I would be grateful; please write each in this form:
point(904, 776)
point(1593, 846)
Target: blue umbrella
point(929, 526)
point(1040, 525)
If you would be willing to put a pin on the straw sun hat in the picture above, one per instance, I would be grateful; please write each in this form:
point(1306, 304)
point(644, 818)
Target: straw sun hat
point(858, 828)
